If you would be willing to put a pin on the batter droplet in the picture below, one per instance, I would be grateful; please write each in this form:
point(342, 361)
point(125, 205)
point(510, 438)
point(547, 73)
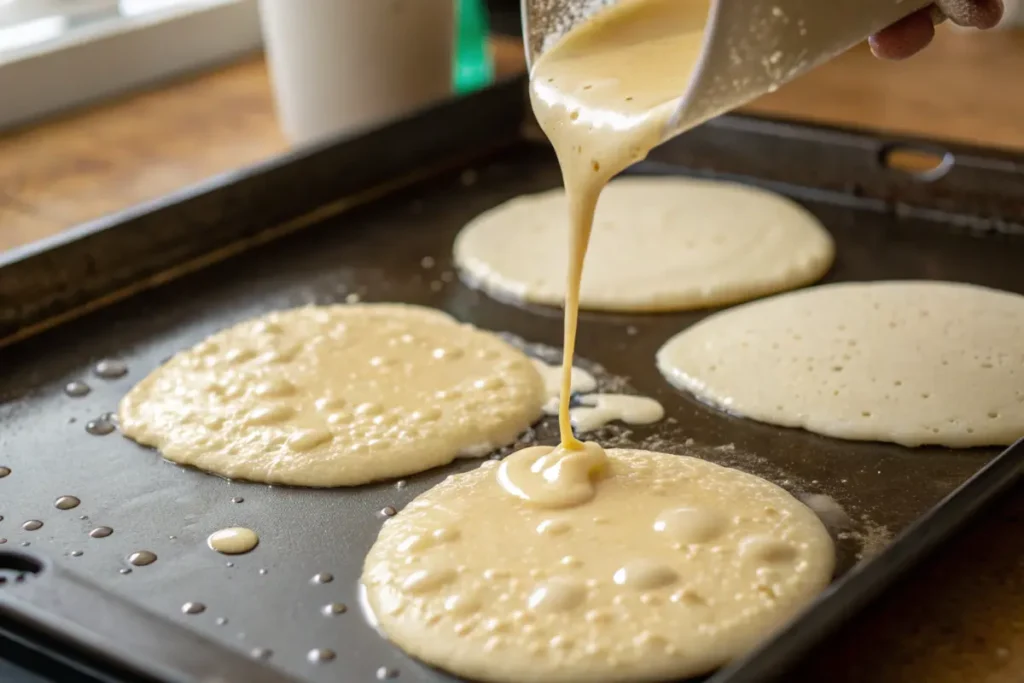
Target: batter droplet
point(110, 369)
point(645, 575)
point(275, 388)
point(388, 511)
point(462, 604)
point(558, 595)
point(428, 580)
point(385, 673)
point(101, 532)
point(142, 558)
point(193, 608)
point(690, 525)
point(269, 414)
point(5, 472)
point(308, 439)
point(333, 609)
point(32, 525)
point(322, 577)
point(99, 427)
point(321, 655)
point(233, 540)
point(767, 549)
point(553, 477)
point(67, 503)
point(553, 527)
point(77, 389)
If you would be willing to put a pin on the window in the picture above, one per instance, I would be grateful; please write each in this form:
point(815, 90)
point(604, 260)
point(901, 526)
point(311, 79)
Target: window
point(57, 54)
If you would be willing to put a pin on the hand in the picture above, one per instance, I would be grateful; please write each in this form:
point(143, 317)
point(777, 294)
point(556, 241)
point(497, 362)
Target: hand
point(912, 34)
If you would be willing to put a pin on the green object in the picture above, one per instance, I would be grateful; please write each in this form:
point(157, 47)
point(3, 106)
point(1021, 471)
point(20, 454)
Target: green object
point(473, 69)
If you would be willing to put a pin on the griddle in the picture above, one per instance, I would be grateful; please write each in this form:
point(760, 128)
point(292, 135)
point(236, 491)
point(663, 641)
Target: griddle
point(373, 217)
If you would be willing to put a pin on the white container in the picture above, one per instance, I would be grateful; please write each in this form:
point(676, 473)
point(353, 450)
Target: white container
point(341, 66)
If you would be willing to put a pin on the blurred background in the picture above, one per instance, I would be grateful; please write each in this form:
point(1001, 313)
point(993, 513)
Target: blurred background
point(108, 103)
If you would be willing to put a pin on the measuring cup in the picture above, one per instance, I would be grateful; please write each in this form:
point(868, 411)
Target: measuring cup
point(751, 47)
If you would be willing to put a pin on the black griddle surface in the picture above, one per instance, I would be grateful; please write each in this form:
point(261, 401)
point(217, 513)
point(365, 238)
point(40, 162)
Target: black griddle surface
point(376, 252)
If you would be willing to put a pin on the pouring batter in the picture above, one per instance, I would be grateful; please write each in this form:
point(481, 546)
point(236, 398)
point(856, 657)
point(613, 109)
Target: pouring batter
point(604, 96)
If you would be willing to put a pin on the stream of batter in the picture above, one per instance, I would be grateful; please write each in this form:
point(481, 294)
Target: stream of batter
point(603, 96)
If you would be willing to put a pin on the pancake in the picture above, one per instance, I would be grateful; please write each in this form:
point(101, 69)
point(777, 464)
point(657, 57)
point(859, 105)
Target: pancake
point(912, 363)
point(658, 244)
point(336, 396)
point(621, 565)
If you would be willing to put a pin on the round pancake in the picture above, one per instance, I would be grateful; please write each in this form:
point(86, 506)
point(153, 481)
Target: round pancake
point(658, 244)
point(336, 396)
point(912, 363)
point(668, 568)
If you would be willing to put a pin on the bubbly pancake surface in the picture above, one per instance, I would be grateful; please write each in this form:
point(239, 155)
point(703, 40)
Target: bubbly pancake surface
point(667, 567)
point(336, 396)
point(657, 244)
point(908, 362)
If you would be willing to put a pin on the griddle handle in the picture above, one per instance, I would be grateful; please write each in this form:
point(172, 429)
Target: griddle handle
point(55, 603)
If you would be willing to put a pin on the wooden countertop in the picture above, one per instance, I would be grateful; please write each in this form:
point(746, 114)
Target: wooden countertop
point(959, 620)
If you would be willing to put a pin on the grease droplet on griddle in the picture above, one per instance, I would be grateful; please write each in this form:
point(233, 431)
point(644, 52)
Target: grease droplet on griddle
point(110, 369)
point(260, 653)
point(221, 621)
point(77, 389)
point(385, 673)
point(99, 427)
point(333, 609)
point(389, 511)
point(76, 553)
point(320, 655)
point(66, 503)
point(238, 499)
point(32, 525)
point(3, 540)
point(322, 577)
point(400, 484)
point(193, 608)
point(124, 570)
point(25, 544)
point(5, 472)
point(264, 572)
point(142, 558)
point(101, 532)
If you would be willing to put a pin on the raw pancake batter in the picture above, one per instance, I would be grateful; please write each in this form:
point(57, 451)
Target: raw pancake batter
point(336, 396)
point(908, 362)
point(603, 95)
point(233, 540)
point(658, 244)
point(609, 566)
